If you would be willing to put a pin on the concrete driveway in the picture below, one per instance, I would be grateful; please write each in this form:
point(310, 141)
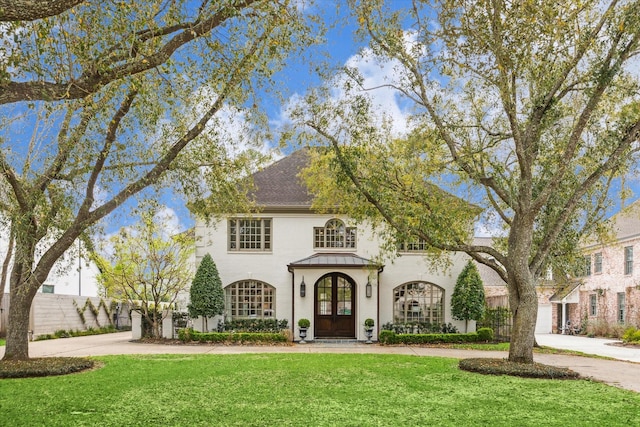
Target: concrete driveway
point(621, 373)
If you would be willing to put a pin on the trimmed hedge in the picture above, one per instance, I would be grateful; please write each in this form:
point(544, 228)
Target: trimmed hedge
point(390, 337)
point(189, 335)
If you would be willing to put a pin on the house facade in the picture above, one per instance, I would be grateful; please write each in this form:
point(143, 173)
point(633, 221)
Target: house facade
point(608, 293)
point(289, 262)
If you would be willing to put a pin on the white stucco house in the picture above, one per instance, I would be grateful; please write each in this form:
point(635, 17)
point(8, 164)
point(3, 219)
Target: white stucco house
point(73, 274)
point(289, 262)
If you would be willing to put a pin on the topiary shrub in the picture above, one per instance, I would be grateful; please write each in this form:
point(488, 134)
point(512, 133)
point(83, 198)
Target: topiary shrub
point(490, 366)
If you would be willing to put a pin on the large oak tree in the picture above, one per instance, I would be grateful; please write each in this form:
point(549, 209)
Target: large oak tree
point(528, 109)
point(102, 101)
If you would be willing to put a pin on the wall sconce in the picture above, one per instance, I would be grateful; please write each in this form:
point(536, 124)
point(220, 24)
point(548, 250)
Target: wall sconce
point(303, 288)
point(368, 289)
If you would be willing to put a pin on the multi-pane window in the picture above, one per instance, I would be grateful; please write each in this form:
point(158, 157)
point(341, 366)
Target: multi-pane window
point(250, 299)
point(418, 245)
point(249, 234)
point(597, 262)
point(621, 307)
point(334, 235)
point(628, 260)
point(593, 305)
point(586, 265)
point(48, 289)
point(418, 302)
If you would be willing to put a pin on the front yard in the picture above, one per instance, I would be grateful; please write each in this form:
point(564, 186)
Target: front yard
point(306, 389)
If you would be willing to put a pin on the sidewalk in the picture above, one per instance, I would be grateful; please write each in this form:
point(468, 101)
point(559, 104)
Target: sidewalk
point(620, 373)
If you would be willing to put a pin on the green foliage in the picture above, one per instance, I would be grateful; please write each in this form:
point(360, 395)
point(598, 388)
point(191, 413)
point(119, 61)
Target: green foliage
point(390, 337)
point(149, 266)
point(206, 294)
point(62, 333)
point(187, 335)
point(420, 328)
point(485, 334)
point(135, 97)
point(369, 323)
point(527, 370)
point(254, 325)
point(631, 335)
point(467, 300)
point(304, 323)
point(534, 121)
point(44, 367)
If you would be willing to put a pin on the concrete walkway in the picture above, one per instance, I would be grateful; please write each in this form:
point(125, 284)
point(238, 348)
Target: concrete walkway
point(620, 373)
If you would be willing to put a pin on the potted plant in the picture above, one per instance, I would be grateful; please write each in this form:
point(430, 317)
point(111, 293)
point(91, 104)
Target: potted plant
point(368, 329)
point(303, 325)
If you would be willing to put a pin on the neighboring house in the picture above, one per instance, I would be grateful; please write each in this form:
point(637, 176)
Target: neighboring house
point(289, 262)
point(71, 275)
point(609, 291)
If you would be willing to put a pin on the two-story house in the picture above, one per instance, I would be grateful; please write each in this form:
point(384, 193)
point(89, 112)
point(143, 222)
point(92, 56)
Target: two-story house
point(290, 262)
point(609, 291)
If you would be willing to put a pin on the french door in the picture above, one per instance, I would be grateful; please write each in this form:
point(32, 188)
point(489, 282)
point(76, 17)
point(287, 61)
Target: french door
point(334, 301)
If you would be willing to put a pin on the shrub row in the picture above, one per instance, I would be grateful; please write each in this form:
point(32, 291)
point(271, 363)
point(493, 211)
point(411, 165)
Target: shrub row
point(390, 337)
point(61, 333)
point(254, 325)
point(420, 328)
point(189, 335)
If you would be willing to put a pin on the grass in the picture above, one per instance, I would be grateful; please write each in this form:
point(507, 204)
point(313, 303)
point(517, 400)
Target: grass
point(2, 341)
point(306, 389)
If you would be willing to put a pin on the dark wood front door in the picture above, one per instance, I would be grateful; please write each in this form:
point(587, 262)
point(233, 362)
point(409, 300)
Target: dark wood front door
point(335, 306)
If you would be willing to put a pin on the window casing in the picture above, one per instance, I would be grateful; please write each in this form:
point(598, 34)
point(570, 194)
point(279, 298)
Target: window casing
point(334, 235)
point(597, 262)
point(418, 302)
point(248, 234)
point(250, 299)
point(621, 307)
point(418, 245)
point(586, 266)
point(593, 305)
point(628, 260)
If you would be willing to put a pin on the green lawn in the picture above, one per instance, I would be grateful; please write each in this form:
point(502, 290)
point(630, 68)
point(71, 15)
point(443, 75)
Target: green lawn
point(306, 390)
point(2, 341)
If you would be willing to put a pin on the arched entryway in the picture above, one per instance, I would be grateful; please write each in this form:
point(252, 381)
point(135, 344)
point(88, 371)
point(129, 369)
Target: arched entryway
point(334, 306)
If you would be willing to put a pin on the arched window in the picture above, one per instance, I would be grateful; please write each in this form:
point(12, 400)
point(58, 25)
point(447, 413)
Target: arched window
point(250, 299)
point(418, 302)
point(334, 234)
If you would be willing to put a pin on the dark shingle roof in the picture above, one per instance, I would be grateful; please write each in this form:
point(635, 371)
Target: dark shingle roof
point(280, 186)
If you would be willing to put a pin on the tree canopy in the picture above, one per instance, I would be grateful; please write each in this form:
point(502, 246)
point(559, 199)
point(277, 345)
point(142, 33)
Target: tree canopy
point(102, 101)
point(149, 267)
point(529, 110)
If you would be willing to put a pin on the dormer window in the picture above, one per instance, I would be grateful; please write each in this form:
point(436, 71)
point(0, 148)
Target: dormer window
point(334, 234)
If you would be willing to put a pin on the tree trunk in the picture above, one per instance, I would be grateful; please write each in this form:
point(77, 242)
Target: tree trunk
point(525, 313)
point(522, 291)
point(17, 343)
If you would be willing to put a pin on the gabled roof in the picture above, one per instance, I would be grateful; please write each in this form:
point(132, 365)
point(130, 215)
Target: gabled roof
point(567, 294)
point(279, 186)
point(344, 260)
point(626, 223)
